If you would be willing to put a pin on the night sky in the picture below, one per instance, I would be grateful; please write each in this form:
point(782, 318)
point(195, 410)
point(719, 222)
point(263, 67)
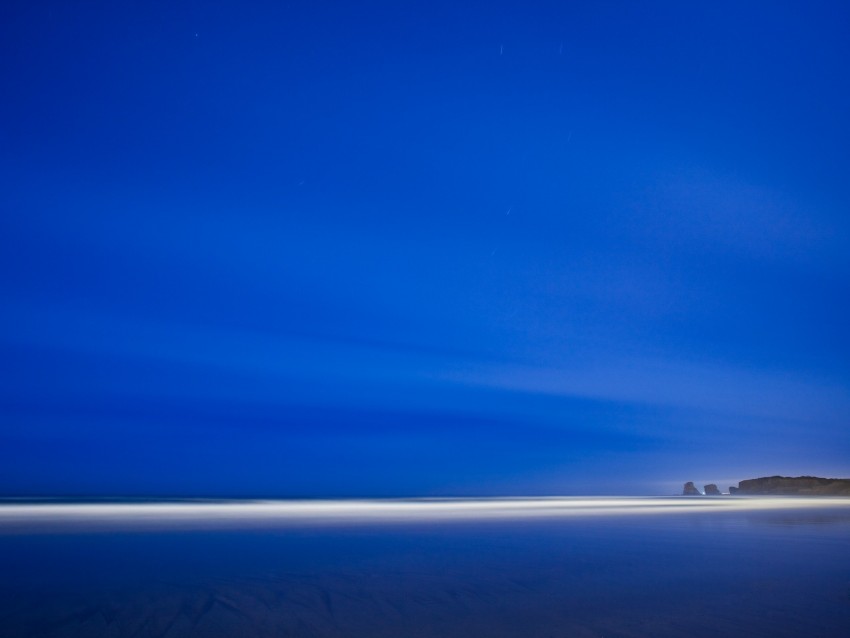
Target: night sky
point(315, 249)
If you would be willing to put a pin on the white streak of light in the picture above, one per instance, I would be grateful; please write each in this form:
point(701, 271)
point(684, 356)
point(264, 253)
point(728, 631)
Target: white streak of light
point(363, 511)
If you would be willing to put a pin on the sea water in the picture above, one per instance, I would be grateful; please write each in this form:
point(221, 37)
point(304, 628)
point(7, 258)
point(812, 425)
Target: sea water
point(422, 568)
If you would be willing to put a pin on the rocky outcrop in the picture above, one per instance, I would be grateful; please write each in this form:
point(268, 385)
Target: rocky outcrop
point(690, 490)
point(711, 490)
point(793, 486)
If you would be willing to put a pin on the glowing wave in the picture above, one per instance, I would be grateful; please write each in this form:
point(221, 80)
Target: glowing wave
point(15, 515)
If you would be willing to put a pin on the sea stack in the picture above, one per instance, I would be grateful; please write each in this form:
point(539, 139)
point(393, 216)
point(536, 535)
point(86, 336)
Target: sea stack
point(690, 490)
point(711, 490)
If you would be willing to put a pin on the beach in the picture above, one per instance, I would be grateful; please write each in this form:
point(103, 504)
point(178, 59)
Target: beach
point(752, 568)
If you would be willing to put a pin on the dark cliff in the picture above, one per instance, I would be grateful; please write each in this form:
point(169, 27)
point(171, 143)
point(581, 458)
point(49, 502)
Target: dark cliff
point(793, 486)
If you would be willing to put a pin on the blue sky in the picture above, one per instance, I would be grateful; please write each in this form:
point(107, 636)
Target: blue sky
point(422, 248)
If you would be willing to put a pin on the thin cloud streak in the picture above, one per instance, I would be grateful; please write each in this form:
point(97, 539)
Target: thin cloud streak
point(759, 394)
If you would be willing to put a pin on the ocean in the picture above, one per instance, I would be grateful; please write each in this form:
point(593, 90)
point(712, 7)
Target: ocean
point(558, 567)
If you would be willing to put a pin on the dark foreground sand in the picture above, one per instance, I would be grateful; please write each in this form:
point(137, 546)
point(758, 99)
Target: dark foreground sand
point(404, 605)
